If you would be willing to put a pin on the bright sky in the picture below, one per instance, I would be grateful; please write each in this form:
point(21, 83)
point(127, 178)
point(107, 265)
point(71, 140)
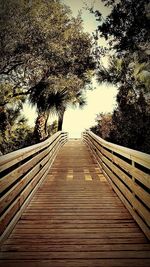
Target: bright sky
point(102, 99)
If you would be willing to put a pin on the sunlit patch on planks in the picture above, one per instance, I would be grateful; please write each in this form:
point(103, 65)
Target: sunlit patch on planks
point(75, 219)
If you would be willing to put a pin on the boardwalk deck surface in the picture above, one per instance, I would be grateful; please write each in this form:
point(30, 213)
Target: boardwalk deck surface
point(75, 219)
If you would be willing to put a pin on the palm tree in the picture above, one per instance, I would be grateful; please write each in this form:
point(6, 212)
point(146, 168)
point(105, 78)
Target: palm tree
point(46, 101)
point(75, 99)
point(50, 100)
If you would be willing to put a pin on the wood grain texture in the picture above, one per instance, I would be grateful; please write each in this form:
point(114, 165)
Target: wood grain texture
point(20, 183)
point(128, 172)
point(75, 219)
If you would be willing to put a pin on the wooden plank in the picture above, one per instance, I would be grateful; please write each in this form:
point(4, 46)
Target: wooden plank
point(75, 222)
point(76, 247)
point(16, 208)
point(10, 178)
point(17, 156)
point(142, 177)
point(138, 219)
point(17, 215)
point(141, 199)
point(77, 255)
point(136, 156)
point(138, 174)
point(78, 263)
point(136, 189)
point(17, 188)
point(10, 195)
point(79, 231)
point(16, 205)
point(76, 241)
point(129, 196)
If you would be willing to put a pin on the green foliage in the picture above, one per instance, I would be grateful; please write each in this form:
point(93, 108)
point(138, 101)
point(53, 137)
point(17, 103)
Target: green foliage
point(128, 24)
point(53, 128)
point(7, 92)
point(14, 130)
point(45, 57)
point(54, 93)
point(55, 102)
point(103, 126)
point(45, 31)
point(128, 125)
point(126, 30)
point(131, 121)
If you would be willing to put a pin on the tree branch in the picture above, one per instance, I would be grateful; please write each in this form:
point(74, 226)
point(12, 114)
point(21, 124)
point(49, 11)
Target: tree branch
point(15, 95)
point(3, 71)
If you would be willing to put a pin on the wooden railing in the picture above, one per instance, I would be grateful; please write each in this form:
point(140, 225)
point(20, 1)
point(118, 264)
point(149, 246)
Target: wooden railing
point(128, 172)
point(21, 173)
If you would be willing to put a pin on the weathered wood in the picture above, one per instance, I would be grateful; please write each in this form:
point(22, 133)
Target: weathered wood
point(10, 178)
point(138, 174)
point(140, 192)
point(17, 216)
point(17, 188)
point(71, 255)
point(136, 156)
point(124, 168)
point(75, 222)
point(17, 156)
point(20, 182)
point(78, 263)
point(75, 247)
point(138, 219)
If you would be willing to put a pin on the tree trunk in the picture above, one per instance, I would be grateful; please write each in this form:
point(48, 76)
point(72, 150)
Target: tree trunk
point(40, 130)
point(60, 119)
point(5, 127)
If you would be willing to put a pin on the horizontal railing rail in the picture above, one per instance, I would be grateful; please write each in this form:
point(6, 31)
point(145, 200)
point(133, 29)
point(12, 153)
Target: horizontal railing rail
point(128, 172)
point(21, 173)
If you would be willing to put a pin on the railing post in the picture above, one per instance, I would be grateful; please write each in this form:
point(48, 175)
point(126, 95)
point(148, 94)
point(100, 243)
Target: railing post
point(22, 172)
point(127, 171)
point(133, 179)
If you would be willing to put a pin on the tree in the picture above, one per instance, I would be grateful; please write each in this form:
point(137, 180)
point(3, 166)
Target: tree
point(53, 128)
point(132, 120)
point(132, 116)
point(48, 100)
point(41, 43)
point(14, 130)
point(74, 99)
point(54, 102)
point(7, 106)
point(128, 125)
point(42, 36)
point(126, 29)
point(127, 26)
point(104, 125)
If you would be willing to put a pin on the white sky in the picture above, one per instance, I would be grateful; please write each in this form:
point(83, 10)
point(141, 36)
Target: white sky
point(101, 99)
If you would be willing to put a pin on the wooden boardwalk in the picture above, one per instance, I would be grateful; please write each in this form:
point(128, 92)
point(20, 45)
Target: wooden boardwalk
point(75, 219)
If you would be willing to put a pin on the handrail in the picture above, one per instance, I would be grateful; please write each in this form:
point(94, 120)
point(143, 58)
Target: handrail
point(128, 171)
point(21, 173)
